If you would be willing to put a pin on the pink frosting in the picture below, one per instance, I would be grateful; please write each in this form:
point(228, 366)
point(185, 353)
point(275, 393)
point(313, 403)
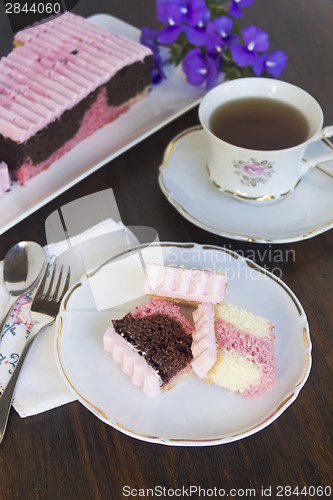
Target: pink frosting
point(134, 365)
point(180, 283)
point(259, 350)
point(204, 344)
point(4, 178)
point(62, 61)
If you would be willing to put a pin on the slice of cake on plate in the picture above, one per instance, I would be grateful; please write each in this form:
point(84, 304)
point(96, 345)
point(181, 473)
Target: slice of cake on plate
point(152, 344)
point(245, 352)
point(67, 78)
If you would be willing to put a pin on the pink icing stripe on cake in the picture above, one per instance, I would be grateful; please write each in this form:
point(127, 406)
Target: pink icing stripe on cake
point(62, 61)
point(204, 343)
point(180, 283)
point(134, 365)
point(259, 349)
point(4, 178)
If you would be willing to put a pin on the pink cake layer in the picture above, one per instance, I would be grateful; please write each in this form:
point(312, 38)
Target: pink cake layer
point(188, 285)
point(98, 115)
point(60, 63)
point(155, 306)
point(132, 363)
point(259, 349)
point(4, 178)
point(204, 342)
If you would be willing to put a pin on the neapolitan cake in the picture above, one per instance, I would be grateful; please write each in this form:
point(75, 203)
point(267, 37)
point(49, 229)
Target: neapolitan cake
point(245, 352)
point(229, 346)
point(67, 78)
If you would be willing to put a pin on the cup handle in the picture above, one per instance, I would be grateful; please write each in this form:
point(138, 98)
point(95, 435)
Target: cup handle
point(314, 162)
point(326, 132)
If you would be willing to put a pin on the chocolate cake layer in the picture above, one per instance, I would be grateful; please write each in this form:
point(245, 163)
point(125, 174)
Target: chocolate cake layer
point(160, 339)
point(127, 83)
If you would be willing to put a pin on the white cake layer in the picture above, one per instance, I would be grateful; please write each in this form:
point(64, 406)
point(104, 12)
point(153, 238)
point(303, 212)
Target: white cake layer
point(245, 321)
point(233, 371)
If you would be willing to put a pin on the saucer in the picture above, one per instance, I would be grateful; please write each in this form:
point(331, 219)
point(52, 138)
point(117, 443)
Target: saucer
point(304, 213)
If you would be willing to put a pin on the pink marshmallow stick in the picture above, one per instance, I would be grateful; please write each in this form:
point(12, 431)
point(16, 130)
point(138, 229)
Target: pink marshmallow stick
point(204, 344)
point(180, 283)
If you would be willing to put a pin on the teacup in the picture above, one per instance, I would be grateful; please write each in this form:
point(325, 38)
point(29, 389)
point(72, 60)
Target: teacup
point(260, 174)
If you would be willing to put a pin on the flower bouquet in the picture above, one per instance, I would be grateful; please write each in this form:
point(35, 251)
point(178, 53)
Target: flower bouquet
point(203, 36)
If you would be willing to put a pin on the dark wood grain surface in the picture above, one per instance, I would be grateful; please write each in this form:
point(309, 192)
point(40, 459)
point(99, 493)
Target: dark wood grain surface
point(67, 453)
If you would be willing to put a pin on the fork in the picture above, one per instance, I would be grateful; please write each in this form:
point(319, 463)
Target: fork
point(44, 310)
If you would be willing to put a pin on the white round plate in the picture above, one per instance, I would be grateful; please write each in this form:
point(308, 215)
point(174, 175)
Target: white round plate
point(192, 413)
point(184, 180)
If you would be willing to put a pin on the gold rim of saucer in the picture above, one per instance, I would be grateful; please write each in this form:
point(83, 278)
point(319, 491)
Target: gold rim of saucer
point(314, 231)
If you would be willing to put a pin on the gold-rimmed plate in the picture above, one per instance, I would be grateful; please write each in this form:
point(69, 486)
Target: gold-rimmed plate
point(192, 413)
point(184, 180)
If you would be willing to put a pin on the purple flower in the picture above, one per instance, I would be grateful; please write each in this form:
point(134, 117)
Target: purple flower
point(256, 40)
point(200, 68)
point(157, 71)
point(191, 15)
point(171, 12)
point(196, 36)
point(170, 34)
point(197, 13)
point(273, 63)
point(206, 45)
point(149, 38)
point(235, 10)
point(176, 12)
point(218, 34)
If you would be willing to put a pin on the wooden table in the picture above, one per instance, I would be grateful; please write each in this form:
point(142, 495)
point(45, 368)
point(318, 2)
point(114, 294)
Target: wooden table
point(67, 452)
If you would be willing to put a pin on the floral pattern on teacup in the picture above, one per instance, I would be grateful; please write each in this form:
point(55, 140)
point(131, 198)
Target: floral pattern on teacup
point(253, 172)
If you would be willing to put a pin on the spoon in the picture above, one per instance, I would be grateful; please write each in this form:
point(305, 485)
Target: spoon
point(23, 265)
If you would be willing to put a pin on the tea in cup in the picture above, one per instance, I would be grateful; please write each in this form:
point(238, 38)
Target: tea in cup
point(258, 130)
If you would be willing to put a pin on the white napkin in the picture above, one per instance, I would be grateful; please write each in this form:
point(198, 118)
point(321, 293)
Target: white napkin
point(40, 386)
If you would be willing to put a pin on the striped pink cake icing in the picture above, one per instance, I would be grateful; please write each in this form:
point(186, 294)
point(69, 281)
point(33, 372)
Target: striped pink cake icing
point(182, 284)
point(60, 63)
